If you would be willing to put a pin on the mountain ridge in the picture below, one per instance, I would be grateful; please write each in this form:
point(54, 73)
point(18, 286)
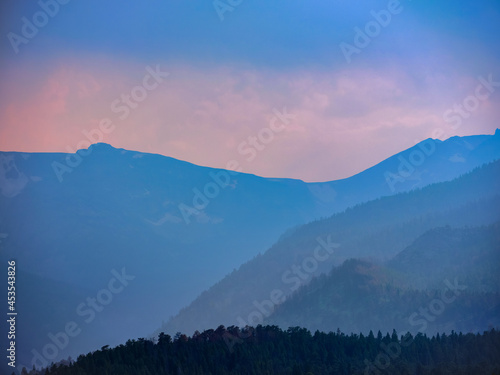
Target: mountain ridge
point(120, 209)
point(378, 230)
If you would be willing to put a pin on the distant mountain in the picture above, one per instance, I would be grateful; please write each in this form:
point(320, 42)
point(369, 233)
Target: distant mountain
point(168, 228)
point(428, 162)
point(471, 254)
point(456, 269)
point(377, 230)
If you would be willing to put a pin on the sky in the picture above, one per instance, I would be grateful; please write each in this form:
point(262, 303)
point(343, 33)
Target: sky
point(314, 90)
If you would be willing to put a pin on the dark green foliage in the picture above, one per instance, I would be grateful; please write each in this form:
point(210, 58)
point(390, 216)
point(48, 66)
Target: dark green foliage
point(270, 350)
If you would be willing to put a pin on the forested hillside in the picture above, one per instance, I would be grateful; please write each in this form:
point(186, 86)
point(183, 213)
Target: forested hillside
point(296, 351)
point(471, 254)
point(378, 231)
point(360, 296)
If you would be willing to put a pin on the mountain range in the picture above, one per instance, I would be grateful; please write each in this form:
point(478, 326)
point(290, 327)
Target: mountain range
point(392, 231)
point(117, 241)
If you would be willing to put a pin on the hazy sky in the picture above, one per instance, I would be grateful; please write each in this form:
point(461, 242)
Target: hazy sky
point(352, 99)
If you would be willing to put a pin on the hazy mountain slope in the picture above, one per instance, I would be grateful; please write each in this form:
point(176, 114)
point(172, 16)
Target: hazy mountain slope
point(107, 209)
point(120, 210)
point(379, 229)
point(46, 301)
point(359, 296)
point(471, 254)
point(467, 258)
point(429, 161)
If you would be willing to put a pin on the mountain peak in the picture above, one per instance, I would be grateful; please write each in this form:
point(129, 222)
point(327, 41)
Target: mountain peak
point(102, 147)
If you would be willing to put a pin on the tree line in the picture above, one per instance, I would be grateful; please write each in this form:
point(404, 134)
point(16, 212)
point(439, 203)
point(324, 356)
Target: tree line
point(271, 350)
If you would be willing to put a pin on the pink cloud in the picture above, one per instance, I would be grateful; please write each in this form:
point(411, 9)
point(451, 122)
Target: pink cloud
point(346, 121)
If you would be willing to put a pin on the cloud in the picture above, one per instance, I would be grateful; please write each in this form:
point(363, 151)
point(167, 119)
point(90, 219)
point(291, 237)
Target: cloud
point(203, 115)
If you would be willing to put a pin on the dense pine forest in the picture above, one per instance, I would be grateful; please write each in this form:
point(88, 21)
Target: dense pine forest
point(270, 350)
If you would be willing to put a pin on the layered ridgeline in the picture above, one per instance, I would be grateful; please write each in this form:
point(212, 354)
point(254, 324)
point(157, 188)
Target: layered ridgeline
point(447, 280)
point(110, 242)
point(414, 234)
